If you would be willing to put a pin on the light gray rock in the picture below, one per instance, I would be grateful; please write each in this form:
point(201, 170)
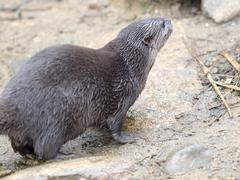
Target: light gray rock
point(101, 167)
point(189, 158)
point(221, 10)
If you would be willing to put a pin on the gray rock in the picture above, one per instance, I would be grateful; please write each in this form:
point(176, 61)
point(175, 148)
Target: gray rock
point(221, 10)
point(101, 167)
point(189, 158)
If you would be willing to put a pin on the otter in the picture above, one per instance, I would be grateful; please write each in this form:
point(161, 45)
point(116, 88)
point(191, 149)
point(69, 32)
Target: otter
point(64, 89)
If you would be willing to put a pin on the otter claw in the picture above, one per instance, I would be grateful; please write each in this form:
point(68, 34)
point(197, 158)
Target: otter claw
point(65, 153)
point(123, 138)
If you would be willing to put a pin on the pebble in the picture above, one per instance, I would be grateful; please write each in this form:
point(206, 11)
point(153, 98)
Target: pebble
point(190, 157)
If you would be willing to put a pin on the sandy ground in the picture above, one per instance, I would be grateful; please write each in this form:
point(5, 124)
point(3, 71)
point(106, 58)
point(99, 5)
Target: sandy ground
point(176, 108)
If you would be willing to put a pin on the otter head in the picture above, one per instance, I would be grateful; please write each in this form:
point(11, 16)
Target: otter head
point(142, 40)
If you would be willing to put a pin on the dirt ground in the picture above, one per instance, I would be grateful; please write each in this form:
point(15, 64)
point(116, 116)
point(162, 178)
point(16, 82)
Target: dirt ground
point(178, 106)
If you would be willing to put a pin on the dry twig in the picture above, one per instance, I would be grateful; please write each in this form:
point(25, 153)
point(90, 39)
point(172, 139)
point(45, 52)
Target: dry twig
point(231, 60)
point(192, 51)
point(228, 86)
point(146, 157)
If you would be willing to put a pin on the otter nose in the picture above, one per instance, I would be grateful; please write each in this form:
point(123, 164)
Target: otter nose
point(167, 23)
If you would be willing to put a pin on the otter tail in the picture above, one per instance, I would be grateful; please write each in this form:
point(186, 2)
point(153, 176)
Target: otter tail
point(7, 116)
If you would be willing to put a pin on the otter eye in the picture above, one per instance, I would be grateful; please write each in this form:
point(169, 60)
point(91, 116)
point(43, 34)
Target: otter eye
point(147, 40)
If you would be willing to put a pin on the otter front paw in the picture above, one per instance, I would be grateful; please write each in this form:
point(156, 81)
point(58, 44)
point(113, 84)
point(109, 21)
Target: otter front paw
point(123, 138)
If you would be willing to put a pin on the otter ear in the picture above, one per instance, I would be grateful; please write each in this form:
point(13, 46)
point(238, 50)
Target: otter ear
point(147, 40)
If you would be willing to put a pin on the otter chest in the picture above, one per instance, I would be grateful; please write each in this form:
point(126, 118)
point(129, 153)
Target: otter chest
point(127, 93)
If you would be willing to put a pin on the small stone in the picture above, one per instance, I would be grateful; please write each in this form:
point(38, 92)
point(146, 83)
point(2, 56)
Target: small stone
point(9, 48)
point(208, 63)
point(179, 116)
point(61, 31)
point(97, 5)
point(189, 158)
point(221, 10)
point(94, 6)
point(228, 80)
point(214, 70)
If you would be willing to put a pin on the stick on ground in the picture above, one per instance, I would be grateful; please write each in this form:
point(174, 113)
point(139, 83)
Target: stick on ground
point(231, 60)
point(193, 52)
point(228, 86)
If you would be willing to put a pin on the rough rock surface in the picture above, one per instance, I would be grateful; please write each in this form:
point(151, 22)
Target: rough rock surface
point(82, 168)
point(221, 10)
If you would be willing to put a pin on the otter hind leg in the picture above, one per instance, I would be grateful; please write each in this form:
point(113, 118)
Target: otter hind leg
point(115, 125)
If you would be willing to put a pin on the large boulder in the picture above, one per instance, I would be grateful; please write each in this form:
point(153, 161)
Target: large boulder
point(221, 10)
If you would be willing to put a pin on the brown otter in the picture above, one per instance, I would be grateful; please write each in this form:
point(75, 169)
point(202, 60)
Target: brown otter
point(64, 89)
